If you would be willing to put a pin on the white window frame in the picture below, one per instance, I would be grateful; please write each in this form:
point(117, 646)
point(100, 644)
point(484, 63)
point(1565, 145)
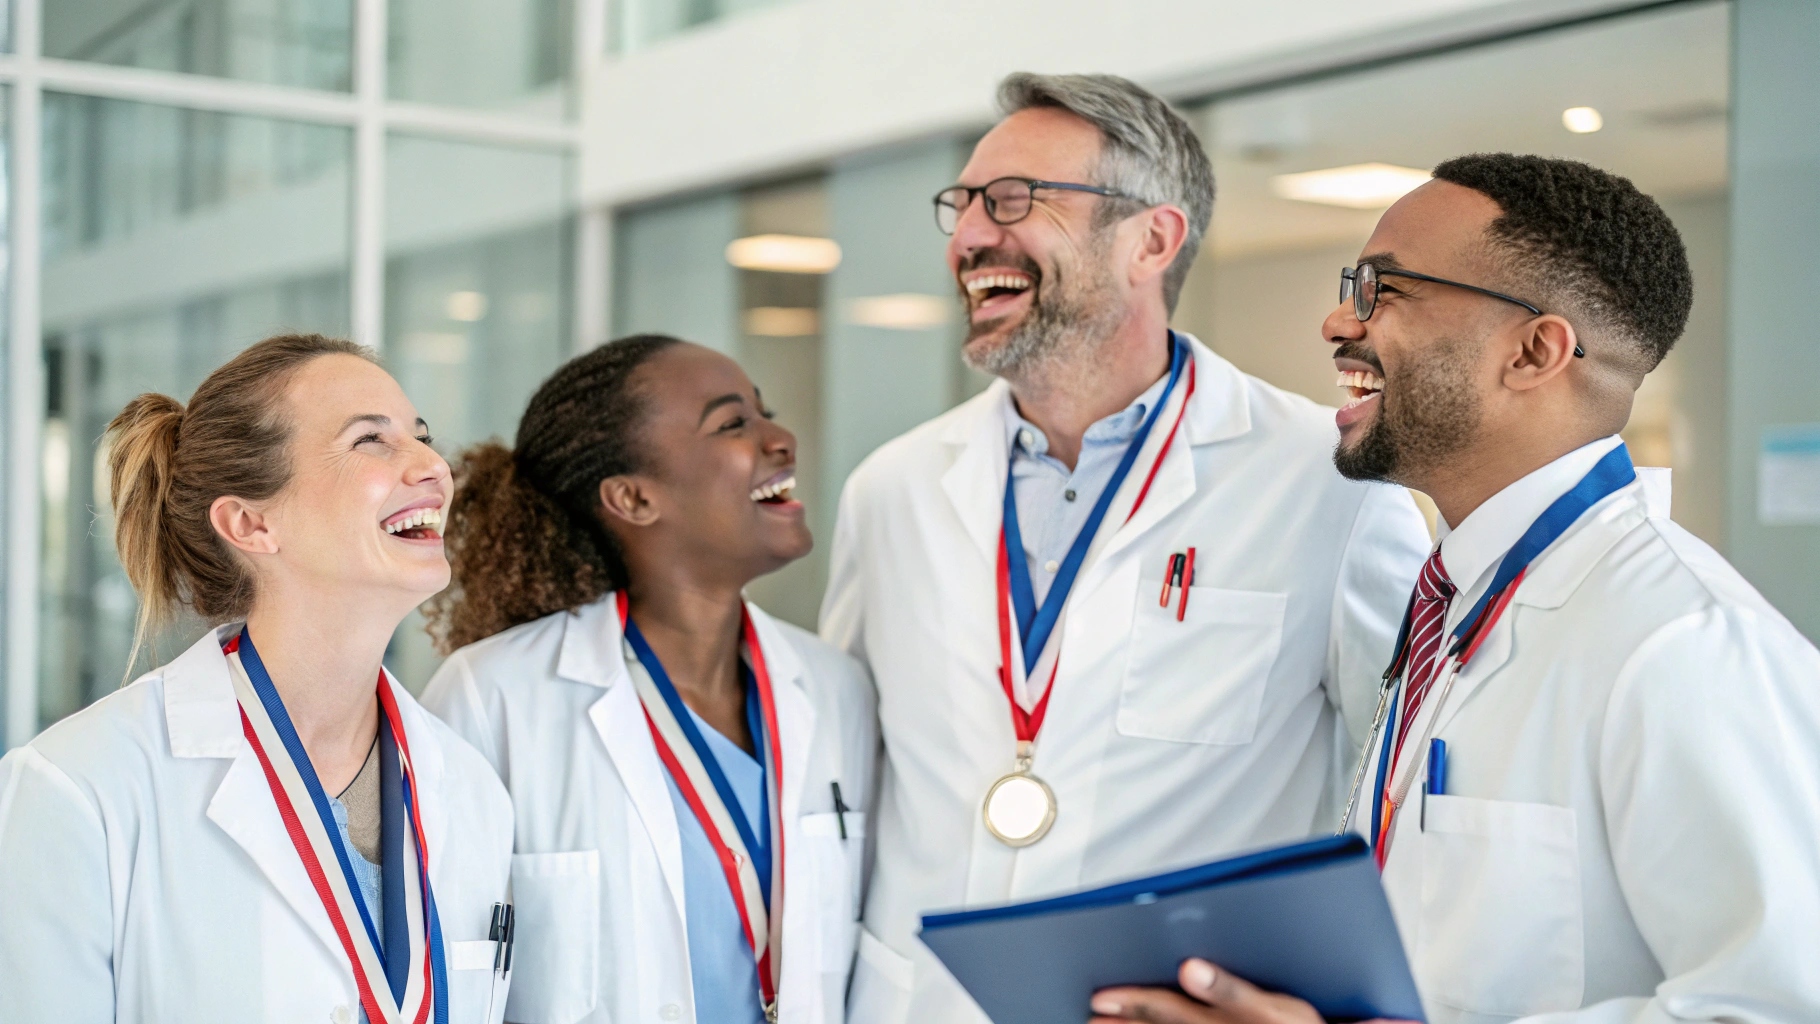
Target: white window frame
point(26, 72)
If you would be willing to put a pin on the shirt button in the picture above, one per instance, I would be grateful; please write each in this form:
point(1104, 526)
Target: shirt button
point(340, 1015)
point(670, 1011)
point(1026, 437)
point(1051, 565)
point(1069, 494)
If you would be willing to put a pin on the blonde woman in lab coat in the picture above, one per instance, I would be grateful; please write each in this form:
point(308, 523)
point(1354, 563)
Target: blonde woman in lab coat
point(268, 828)
point(690, 776)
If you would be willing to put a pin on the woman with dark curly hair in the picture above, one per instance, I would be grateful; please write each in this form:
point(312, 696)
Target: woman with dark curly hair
point(690, 775)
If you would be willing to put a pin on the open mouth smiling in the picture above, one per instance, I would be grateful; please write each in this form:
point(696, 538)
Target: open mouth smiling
point(775, 491)
point(992, 291)
point(421, 523)
point(1362, 385)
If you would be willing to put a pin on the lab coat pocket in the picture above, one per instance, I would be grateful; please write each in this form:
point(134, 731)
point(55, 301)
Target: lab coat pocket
point(1202, 679)
point(881, 984)
point(474, 987)
point(1501, 929)
point(836, 863)
point(556, 960)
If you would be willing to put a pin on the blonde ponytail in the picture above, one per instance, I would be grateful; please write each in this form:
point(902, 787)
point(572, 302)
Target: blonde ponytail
point(141, 462)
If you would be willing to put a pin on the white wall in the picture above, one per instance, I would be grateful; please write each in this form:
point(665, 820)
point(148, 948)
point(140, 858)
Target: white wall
point(813, 79)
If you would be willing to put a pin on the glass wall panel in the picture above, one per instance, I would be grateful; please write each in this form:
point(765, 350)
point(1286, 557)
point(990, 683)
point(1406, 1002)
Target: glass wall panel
point(639, 23)
point(172, 239)
point(481, 53)
point(478, 282)
point(304, 43)
point(1645, 96)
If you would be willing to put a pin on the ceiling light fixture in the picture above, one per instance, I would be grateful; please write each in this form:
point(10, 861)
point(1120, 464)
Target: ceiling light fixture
point(466, 307)
point(905, 311)
point(1357, 187)
point(784, 254)
point(1582, 120)
point(782, 321)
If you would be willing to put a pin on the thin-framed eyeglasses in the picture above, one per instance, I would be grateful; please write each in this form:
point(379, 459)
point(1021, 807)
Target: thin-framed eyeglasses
point(1008, 200)
point(1360, 284)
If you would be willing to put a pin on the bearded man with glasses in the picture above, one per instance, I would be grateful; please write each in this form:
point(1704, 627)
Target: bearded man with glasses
point(1594, 790)
point(1124, 522)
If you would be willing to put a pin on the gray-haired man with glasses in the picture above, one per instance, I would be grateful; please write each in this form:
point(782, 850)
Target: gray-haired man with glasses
point(1121, 610)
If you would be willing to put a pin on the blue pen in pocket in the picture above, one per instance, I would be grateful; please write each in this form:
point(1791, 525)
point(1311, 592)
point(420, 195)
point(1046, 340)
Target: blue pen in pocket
point(1437, 776)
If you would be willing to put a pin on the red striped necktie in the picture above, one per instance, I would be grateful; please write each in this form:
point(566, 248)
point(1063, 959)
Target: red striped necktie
point(1433, 592)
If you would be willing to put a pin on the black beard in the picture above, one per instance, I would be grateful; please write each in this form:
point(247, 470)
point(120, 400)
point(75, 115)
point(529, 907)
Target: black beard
point(1435, 417)
point(1082, 311)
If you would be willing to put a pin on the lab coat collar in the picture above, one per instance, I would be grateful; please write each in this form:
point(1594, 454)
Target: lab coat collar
point(1471, 551)
point(202, 716)
point(1559, 570)
point(593, 653)
point(1217, 411)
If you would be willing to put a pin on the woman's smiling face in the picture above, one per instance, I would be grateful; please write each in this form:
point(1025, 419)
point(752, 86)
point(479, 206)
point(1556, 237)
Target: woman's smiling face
point(364, 505)
point(717, 471)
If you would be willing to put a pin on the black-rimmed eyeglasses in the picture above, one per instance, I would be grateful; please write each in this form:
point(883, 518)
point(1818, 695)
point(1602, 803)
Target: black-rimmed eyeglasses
point(1008, 200)
point(1360, 284)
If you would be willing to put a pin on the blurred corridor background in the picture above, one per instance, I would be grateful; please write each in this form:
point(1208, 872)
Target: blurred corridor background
point(481, 188)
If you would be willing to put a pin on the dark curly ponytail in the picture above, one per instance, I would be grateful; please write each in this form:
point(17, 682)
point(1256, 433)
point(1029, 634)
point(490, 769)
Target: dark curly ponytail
point(524, 536)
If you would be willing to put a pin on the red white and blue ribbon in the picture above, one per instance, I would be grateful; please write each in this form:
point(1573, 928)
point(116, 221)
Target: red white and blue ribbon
point(414, 990)
point(1611, 474)
point(1037, 654)
point(753, 864)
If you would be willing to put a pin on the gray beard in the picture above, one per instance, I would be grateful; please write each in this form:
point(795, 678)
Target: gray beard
point(1436, 417)
point(1064, 322)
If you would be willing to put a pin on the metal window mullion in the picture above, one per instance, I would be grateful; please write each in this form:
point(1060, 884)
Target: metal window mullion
point(25, 386)
point(366, 291)
point(593, 286)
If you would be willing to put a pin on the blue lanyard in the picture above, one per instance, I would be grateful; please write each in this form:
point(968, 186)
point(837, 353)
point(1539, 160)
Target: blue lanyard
point(759, 846)
point(1609, 475)
point(1034, 625)
point(395, 815)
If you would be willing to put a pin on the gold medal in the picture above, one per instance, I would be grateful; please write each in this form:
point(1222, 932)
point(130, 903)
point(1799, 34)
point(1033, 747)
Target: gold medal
point(1019, 808)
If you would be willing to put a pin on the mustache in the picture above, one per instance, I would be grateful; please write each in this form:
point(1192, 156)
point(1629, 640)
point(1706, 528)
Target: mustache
point(1355, 350)
point(993, 257)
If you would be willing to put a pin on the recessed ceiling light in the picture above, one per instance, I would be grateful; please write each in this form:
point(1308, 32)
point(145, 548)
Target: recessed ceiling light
point(1358, 186)
point(465, 306)
point(782, 321)
point(1582, 120)
point(905, 311)
point(784, 254)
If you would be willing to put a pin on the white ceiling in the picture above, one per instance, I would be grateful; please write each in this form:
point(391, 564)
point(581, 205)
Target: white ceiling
point(1660, 80)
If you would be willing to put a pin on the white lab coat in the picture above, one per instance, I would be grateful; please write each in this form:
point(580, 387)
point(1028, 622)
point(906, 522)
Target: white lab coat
point(597, 869)
point(146, 875)
point(1631, 824)
point(1166, 742)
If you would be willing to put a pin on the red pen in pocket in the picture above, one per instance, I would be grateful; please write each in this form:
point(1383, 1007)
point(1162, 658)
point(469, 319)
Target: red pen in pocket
point(1187, 579)
point(1171, 576)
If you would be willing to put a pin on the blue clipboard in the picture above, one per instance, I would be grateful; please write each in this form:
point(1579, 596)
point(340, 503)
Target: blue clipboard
point(1309, 919)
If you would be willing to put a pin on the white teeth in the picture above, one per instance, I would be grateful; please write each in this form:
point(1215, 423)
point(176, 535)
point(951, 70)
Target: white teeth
point(1017, 282)
point(421, 517)
point(772, 490)
point(1360, 379)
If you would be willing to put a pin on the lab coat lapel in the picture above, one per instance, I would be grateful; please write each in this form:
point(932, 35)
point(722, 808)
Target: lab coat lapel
point(1551, 579)
point(203, 719)
point(592, 654)
point(795, 711)
point(975, 483)
point(427, 764)
point(1217, 411)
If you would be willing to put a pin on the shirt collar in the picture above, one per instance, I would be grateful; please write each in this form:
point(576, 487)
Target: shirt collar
point(1118, 428)
point(1471, 551)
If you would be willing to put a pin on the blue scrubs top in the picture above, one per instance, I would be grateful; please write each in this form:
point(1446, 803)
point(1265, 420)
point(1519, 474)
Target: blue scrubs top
point(722, 971)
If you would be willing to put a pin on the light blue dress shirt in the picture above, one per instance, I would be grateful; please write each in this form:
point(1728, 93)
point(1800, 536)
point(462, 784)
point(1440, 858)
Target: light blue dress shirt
point(721, 968)
point(1053, 502)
